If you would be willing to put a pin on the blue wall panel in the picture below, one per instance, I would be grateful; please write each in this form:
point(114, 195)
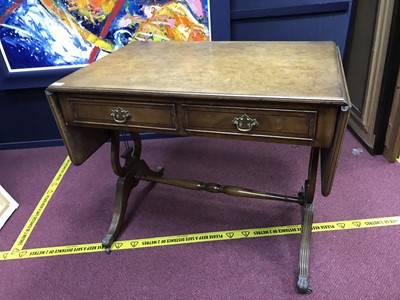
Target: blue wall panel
point(300, 20)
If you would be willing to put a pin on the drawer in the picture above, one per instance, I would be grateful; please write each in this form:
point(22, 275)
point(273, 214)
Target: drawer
point(285, 125)
point(124, 114)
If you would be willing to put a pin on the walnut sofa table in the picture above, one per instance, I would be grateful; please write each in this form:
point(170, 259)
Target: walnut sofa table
point(279, 92)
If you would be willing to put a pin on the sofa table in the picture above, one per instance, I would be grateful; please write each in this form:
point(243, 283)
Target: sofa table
point(276, 92)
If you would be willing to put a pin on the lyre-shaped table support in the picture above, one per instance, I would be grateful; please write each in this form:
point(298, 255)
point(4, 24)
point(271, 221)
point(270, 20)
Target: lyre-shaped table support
point(135, 169)
point(126, 182)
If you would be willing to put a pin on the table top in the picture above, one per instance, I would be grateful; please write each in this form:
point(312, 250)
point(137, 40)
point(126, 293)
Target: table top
point(209, 78)
point(266, 71)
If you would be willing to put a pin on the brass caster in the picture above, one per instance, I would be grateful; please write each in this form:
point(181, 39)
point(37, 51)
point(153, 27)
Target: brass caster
point(302, 286)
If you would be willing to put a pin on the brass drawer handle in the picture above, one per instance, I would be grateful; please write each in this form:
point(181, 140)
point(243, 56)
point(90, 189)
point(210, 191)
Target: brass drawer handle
point(120, 115)
point(244, 123)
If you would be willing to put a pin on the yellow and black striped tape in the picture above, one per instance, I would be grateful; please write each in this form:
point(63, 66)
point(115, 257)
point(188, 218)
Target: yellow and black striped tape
point(17, 251)
point(199, 238)
point(34, 218)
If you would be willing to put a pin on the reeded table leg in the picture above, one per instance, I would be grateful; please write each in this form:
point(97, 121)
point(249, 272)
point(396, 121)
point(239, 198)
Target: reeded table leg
point(302, 282)
point(307, 194)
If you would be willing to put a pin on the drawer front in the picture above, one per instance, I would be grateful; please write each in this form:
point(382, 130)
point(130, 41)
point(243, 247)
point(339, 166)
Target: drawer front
point(275, 123)
point(123, 114)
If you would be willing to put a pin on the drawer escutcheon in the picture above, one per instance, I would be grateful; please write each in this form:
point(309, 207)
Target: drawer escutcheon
point(244, 123)
point(120, 115)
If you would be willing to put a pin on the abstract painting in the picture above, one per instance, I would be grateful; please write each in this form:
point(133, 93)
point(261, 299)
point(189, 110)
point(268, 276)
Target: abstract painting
point(48, 34)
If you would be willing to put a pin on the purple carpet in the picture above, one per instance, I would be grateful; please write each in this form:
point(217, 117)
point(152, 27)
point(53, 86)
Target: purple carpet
point(345, 264)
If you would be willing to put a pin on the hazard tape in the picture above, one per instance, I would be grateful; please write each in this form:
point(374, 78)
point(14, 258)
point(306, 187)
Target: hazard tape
point(17, 251)
point(199, 238)
point(34, 218)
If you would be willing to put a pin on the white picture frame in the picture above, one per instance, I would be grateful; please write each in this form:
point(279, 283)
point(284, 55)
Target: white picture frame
point(7, 206)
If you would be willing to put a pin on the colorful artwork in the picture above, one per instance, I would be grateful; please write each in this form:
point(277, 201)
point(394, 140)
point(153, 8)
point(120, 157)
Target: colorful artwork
point(43, 34)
